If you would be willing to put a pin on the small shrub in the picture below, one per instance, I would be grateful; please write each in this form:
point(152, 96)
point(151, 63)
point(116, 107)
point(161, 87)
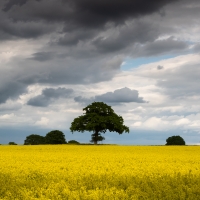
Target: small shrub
point(175, 140)
point(73, 142)
point(12, 143)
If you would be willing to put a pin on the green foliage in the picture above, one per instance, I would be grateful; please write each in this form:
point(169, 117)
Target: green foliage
point(98, 118)
point(34, 140)
point(55, 137)
point(12, 143)
point(73, 142)
point(175, 140)
point(96, 137)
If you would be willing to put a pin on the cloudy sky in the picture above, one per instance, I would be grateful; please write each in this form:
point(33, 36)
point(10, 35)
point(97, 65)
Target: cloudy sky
point(140, 57)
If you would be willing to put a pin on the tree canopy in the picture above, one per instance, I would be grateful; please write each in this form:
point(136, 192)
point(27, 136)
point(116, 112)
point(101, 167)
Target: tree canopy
point(34, 140)
point(175, 140)
point(98, 117)
point(55, 137)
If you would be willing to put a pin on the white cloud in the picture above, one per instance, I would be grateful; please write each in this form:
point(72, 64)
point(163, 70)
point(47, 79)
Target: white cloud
point(136, 124)
point(139, 109)
point(7, 116)
point(183, 121)
point(156, 123)
point(42, 122)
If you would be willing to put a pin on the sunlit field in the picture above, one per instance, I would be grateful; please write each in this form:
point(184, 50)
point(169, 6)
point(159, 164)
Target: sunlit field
point(99, 172)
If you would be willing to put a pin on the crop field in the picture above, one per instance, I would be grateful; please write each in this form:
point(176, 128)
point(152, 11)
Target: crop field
point(99, 172)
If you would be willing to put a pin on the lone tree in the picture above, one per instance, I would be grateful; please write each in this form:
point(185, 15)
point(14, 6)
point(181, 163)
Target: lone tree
point(98, 117)
point(34, 140)
point(175, 140)
point(55, 137)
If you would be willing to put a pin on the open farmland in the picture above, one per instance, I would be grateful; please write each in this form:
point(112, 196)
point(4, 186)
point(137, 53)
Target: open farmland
point(99, 172)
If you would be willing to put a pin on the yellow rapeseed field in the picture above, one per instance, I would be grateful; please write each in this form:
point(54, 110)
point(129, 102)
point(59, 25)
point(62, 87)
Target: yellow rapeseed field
point(99, 172)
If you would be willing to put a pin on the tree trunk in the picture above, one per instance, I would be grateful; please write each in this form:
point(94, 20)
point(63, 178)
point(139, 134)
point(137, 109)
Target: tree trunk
point(96, 138)
point(95, 142)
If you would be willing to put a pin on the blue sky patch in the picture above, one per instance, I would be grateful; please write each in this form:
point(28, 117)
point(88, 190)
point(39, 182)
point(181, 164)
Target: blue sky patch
point(131, 63)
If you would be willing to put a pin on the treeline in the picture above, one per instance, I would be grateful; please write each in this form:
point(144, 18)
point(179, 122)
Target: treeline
point(58, 137)
point(53, 137)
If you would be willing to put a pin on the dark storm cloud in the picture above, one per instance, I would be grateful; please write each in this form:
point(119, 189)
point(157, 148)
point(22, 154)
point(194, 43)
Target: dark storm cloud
point(22, 29)
point(43, 56)
point(11, 3)
point(96, 13)
point(126, 35)
point(48, 96)
point(73, 37)
point(11, 90)
point(68, 70)
point(169, 45)
point(123, 95)
point(87, 13)
point(82, 20)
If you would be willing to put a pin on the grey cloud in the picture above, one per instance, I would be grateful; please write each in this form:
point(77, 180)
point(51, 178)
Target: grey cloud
point(39, 101)
point(73, 37)
point(10, 106)
point(11, 90)
point(109, 45)
point(23, 29)
point(83, 100)
point(48, 96)
point(123, 95)
point(68, 70)
point(57, 93)
point(196, 47)
point(43, 56)
point(169, 45)
point(57, 71)
point(182, 82)
point(11, 3)
point(126, 35)
point(83, 20)
point(159, 67)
